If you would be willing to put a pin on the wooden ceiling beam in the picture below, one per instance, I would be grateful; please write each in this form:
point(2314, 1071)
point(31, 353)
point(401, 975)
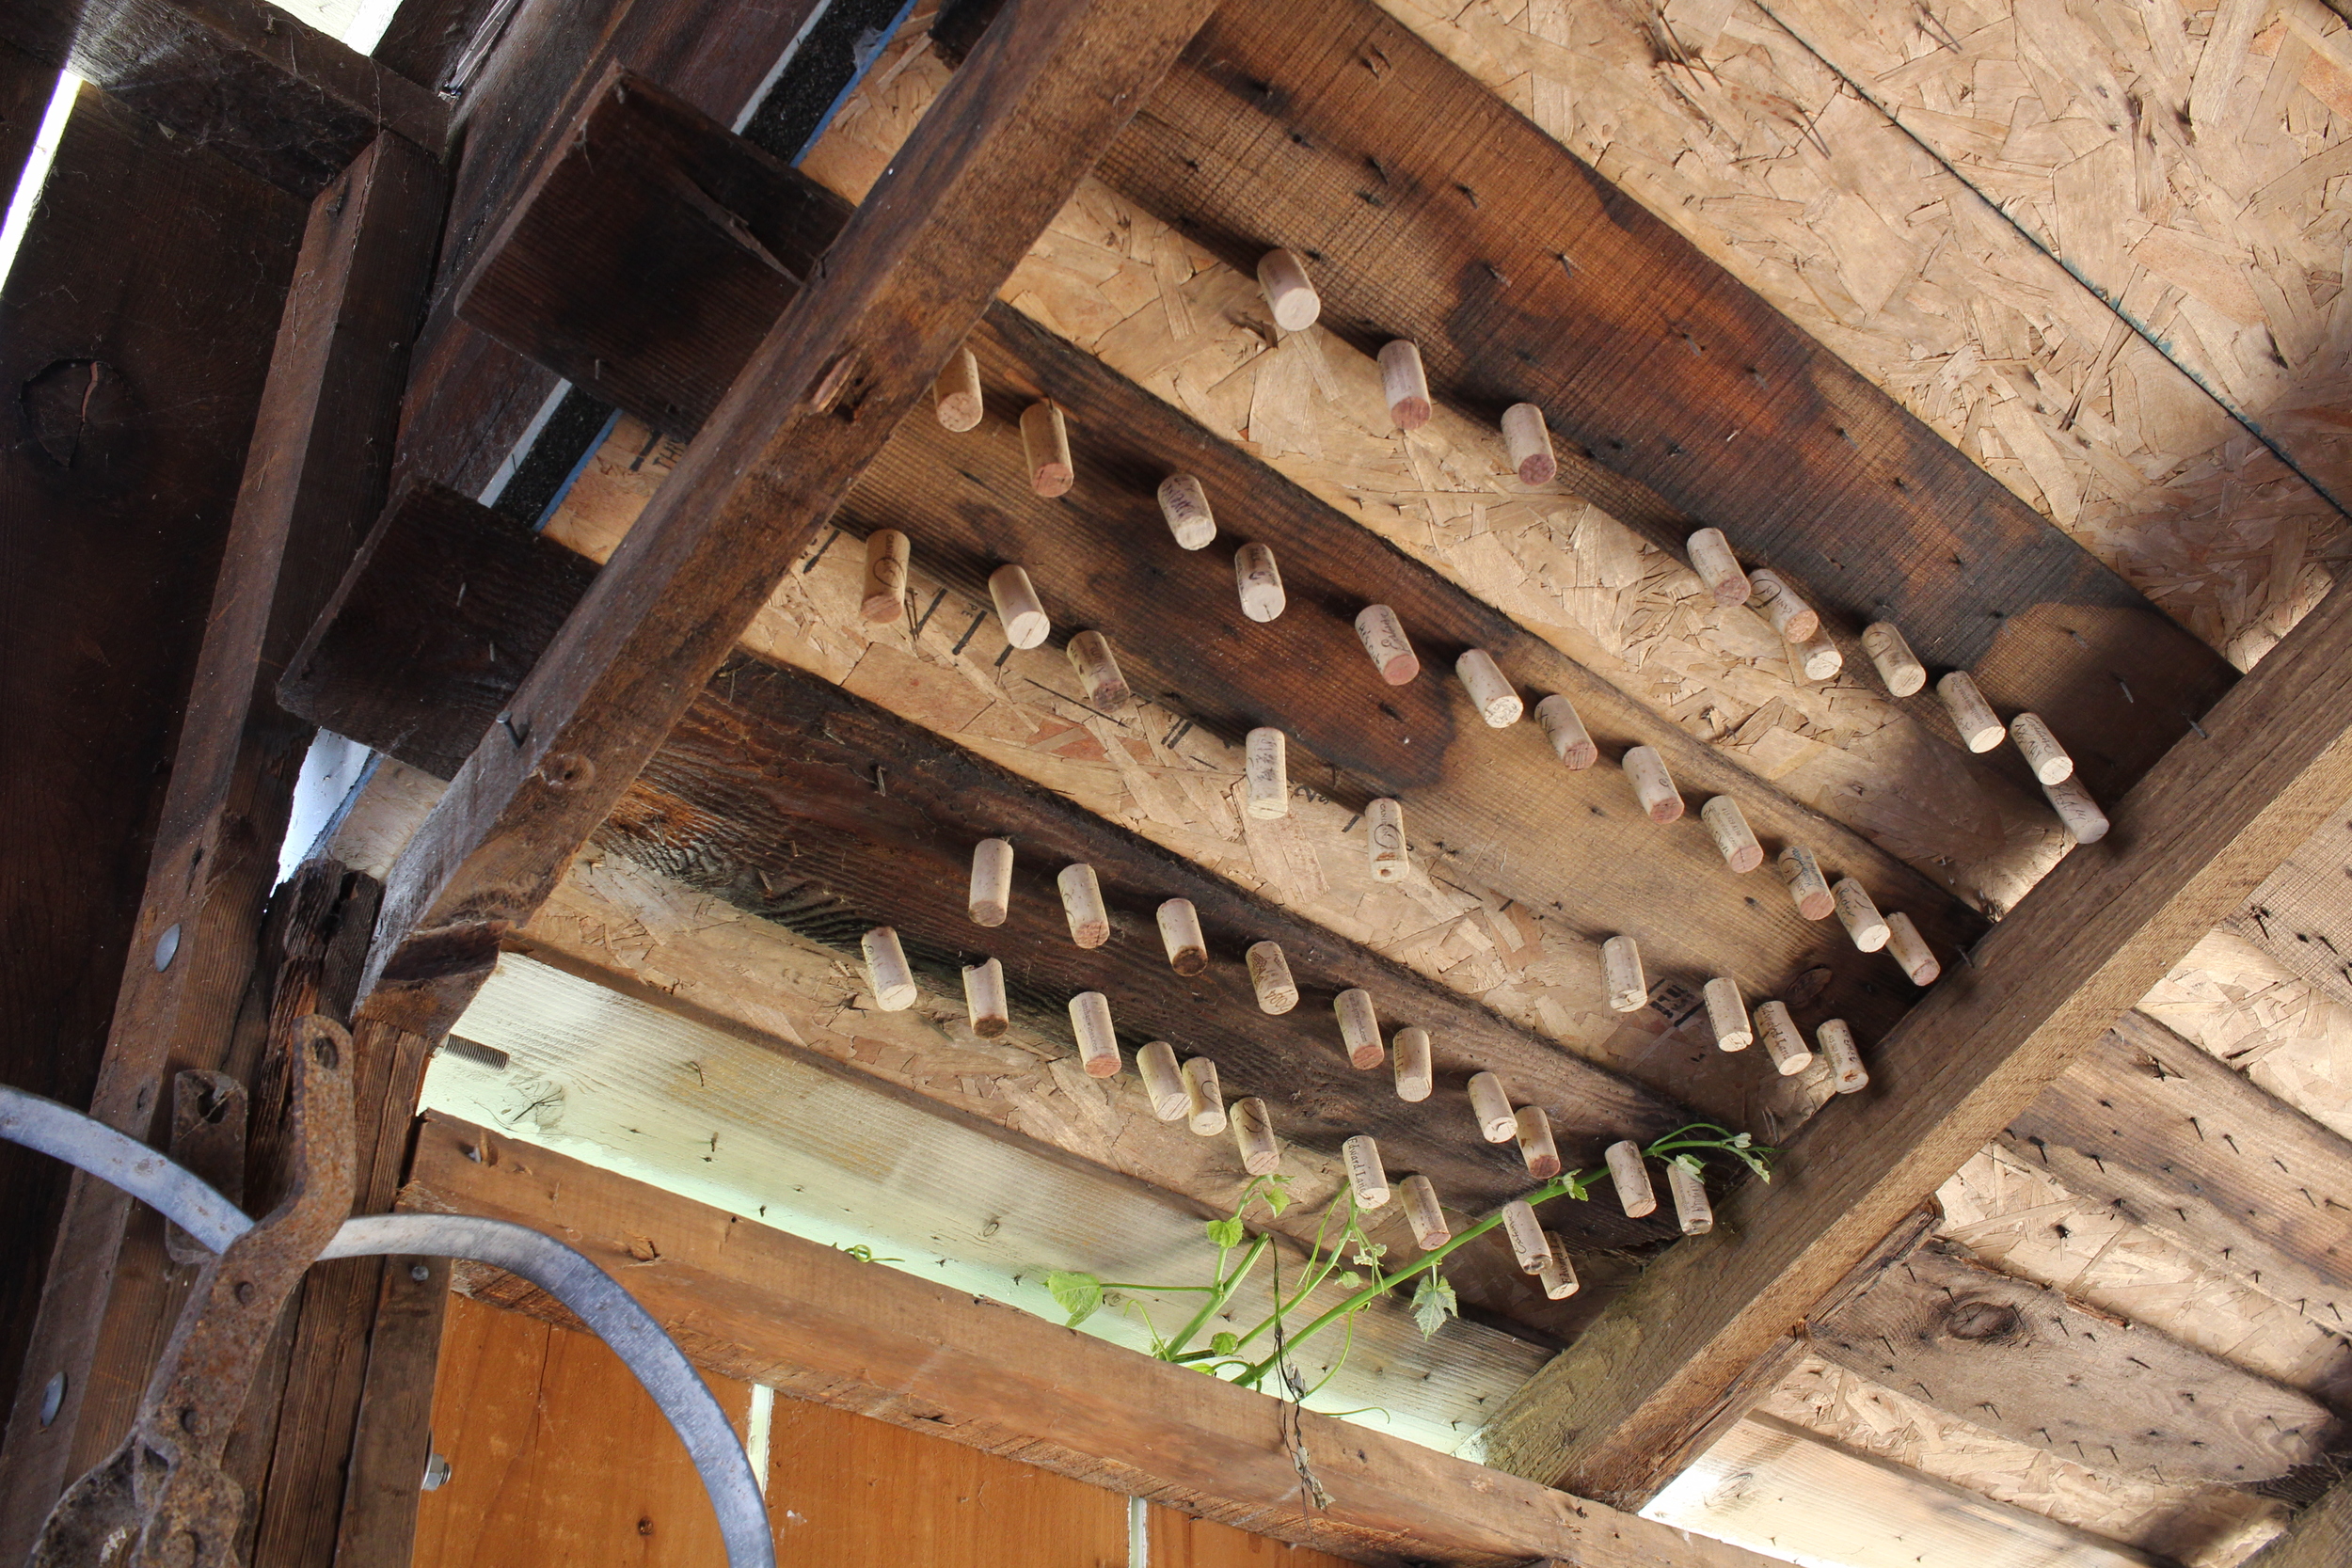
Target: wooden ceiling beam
point(1623, 1409)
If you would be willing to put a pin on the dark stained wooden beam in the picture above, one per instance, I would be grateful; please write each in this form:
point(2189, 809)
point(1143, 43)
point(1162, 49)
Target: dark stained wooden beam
point(1429, 208)
point(1615, 1414)
point(26, 87)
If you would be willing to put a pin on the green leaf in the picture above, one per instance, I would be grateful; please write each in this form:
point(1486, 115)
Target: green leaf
point(1433, 1303)
point(1078, 1294)
point(1225, 1345)
point(1692, 1164)
point(1369, 1253)
point(1225, 1233)
point(1351, 1280)
point(1277, 1193)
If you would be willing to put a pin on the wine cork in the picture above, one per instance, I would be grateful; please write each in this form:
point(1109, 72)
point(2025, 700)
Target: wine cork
point(1384, 840)
point(956, 394)
point(1424, 1213)
point(1185, 505)
point(1253, 1135)
point(1728, 825)
point(1045, 446)
point(1807, 887)
point(1082, 901)
point(1570, 738)
point(1097, 670)
point(1360, 1028)
point(984, 999)
point(1621, 973)
point(1537, 1146)
point(1098, 1045)
point(1162, 1081)
point(1907, 947)
point(1631, 1172)
point(1519, 1227)
point(1366, 1176)
point(1652, 784)
point(1270, 978)
point(1403, 384)
point(1818, 657)
point(2041, 751)
point(1497, 703)
point(1180, 932)
point(1728, 1014)
point(1289, 293)
point(1783, 1042)
point(1383, 637)
point(1018, 607)
point(1204, 1101)
point(1265, 771)
point(1530, 442)
point(1491, 1104)
point(884, 599)
point(1411, 1050)
point(1260, 582)
point(1558, 1274)
point(992, 881)
point(1771, 596)
point(1980, 731)
point(1847, 1073)
point(1898, 667)
point(1859, 913)
point(886, 970)
point(2077, 810)
point(1718, 568)
point(1692, 1211)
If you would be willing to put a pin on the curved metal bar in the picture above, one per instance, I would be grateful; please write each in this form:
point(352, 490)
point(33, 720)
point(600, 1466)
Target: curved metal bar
point(565, 1274)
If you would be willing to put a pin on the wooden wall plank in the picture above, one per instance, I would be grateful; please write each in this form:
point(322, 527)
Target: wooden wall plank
point(26, 87)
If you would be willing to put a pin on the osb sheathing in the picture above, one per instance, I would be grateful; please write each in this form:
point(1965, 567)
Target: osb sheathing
point(2254, 1012)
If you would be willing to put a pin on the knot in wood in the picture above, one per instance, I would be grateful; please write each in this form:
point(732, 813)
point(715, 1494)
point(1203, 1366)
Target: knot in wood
point(566, 770)
point(1985, 1323)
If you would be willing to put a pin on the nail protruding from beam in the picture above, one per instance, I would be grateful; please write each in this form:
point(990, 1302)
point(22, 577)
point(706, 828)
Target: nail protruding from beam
point(1526, 1236)
point(984, 999)
point(1384, 841)
point(1253, 1135)
point(1098, 1043)
point(2041, 749)
point(1981, 730)
point(1082, 901)
point(1907, 947)
point(1403, 384)
point(1771, 596)
point(1410, 1051)
point(1898, 666)
point(1728, 825)
point(1185, 503)
point(1847, 1073)
point(1629, 1172)
point(1162, 1081)
point(1488, 688)
point(1258, 582)
point(1265, 772)
point(1818, 657)
point(956, 395)
point(1718, 568)
point(1621, 975)
point(2077, 810)
point(884, 599)
point(1728, 1014)
point(1558, 1274)
point(1807, 887)
point(1536, 1147)
point(1180, 933)
point(886, 969)
point(1383, 637)
point(1290, 293)
point(1424, 1213)
point(1692, 1211)
point(1018, 607)
point(1530, 442)
point(1270, 978)
point(1652, 784)
point(1098, 671)
point(992, 881)
point(1564, 728)
point(1045, 447)
point(1367, 1179)
point(1490, 1103)
point(1859, 913)
point(1204, 1098)
point(1784, 1042)
point(1360, 1028)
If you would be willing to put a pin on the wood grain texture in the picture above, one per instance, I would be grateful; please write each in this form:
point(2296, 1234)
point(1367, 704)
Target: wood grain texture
point(1684, 399)
point(26, 86)
point(2204, 827)
point(2302, 913)
point(744, 1300)
point(2320, 1538)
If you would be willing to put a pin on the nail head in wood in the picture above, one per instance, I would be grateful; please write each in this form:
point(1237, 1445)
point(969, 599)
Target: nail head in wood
point(1018, 607)
point(1270, 978)
point(1404, 384)
point(1383, 637)
point(1185, 503)
point(1629, 1172)
point(1491, 1104)
point(1621, 975)
point(1718, 568)
point(1082, 901)
point(1728, 1014)
point(1424, 1213)
point(1260, 582)
point(1859, 913)
point(1265, 769)
point(1384, 840)
point(1898, 666)
point(1537, 1146)
point(1180, 933)
point(1098, 1043)
point(1204, 1098)
point(2041, 749)
point(1807, 888)
point(1489, 689)
point(1162, 1081)
point(1360, 1028)
point(886, 970)
point(1290, 293)
point(1847, 1073)
point(1783, 1042)
point(992, 881)
point(1097, 669)
point(956, 395)
point(1771, 596)
point(884, 599)
point(1411, 1050)
point(1564, 728)
point(1652, 784)
point(984, 999)
point(1980, 729)
point(1529, 440)
point(1253, 1135)
point(1045, 447)
point(1367, 1179)
point(1728, 825)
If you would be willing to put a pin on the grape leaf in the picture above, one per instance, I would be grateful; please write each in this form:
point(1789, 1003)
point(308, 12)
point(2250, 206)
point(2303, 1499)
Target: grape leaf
point(1078, 1294)
point(1433, 1303)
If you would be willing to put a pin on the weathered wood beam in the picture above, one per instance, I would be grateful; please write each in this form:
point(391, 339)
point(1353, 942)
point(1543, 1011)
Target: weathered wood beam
point(998, 154)
point(1429, 208)
point(1617, 1413)
point(746, 1301)
point(2302, 913)
point(2321, 1536)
